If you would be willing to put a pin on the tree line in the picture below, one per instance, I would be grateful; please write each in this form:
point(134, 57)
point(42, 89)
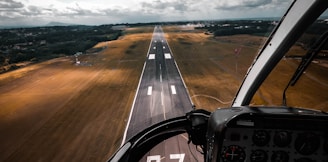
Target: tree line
point(41, 43)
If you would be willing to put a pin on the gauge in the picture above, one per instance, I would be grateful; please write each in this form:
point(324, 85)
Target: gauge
point(261, 137)
point(282, 138)
point(280, 156)
point(233, 153)
point(259, 156)
point(307, 143)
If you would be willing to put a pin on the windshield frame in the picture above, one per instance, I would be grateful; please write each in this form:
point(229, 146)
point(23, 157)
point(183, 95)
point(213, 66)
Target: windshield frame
point(298, 18)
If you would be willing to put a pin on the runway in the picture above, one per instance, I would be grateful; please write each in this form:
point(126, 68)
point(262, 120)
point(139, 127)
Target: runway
point(161, 95)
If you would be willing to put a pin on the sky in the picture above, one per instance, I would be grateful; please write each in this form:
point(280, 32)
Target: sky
point(97, 12)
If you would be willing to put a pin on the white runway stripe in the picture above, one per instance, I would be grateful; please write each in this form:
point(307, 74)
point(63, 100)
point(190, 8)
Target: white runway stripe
point(150, 90)
point(167, 56)
point(151, 56)
point(174, 91)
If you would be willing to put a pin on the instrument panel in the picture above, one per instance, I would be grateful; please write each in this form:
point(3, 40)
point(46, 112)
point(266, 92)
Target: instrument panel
point(261, 134)
point(275, 145)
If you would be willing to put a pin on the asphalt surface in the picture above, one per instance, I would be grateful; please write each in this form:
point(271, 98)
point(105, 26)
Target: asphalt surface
point(161, 95)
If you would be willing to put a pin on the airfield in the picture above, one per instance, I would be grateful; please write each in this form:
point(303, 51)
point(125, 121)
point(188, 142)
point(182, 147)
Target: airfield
point(59, 111)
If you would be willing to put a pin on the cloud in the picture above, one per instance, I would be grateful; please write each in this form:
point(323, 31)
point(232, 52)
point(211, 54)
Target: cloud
point(10, 4)
point(278, 5)
point(32, 11)
point(111, 11)
point(240, 4)
point(251, 8)
point(176, 5)
point(10, 10)
point(78, 11)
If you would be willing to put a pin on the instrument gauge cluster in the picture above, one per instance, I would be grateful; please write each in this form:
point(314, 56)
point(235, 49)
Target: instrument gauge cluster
point(267, 134)
point(276, 145)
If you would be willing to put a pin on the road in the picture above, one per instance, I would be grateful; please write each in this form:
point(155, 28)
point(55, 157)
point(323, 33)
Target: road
point(161, 95)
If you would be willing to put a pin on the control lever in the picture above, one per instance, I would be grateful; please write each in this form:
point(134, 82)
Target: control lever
point(198, 126)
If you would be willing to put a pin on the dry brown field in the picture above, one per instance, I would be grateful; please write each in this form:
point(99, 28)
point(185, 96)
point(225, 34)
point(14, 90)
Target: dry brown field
point(213, 71)
point(57, 111)
point(309, 92)
point(210, 67)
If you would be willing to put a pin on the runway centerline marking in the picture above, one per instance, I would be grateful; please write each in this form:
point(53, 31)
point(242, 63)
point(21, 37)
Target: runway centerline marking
point(162, 101)
point(174, 91)
point(162, 98)
point(160, 73)
point(150, 90)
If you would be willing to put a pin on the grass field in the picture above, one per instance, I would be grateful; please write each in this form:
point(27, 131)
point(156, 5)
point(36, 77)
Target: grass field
point(309, 92)
point(210, 67)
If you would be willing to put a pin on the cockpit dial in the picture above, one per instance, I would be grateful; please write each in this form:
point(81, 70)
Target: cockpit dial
point(307, 143)
point(259, 156)
point(261, 137)
point(280, 156)
point(233, 153)
point(282, 138)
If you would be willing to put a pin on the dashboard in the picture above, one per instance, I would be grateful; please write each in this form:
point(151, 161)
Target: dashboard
point(238, 134)
point(276, 145)
point(262, 135)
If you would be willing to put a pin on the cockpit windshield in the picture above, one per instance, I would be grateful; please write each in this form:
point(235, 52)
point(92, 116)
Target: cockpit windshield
point(78, 79)
point(311, 89)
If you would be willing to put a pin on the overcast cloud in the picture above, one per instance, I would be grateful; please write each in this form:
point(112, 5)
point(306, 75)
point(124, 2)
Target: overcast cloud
point(96, 12)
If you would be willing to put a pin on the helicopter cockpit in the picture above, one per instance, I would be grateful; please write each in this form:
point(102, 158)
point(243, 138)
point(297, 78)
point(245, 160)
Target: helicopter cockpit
point(246, 131)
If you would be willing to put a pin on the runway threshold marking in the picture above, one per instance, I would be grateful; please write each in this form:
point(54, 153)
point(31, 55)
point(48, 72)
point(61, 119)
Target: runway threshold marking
point(150, 90)
point(174, 91)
